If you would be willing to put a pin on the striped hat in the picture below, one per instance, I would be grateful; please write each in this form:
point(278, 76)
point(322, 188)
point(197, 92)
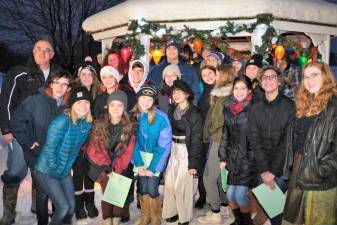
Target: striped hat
point(147, 90)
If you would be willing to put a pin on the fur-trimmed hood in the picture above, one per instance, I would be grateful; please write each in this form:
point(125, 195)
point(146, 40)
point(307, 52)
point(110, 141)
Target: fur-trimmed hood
point(222, 91)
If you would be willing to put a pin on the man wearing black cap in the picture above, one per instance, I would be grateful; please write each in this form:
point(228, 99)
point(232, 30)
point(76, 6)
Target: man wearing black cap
point(172, 57)
point(252, 70)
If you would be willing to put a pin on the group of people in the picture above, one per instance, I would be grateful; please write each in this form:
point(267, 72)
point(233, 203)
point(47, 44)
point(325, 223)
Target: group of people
point(177, 124)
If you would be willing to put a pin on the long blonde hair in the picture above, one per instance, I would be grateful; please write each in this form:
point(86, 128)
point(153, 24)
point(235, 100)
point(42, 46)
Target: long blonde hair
point(151, 114)
point(73, 115)
point(311, 104)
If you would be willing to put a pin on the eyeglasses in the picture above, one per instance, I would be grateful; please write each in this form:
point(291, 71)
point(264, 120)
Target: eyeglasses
point(311, 76)
point(62, 85)
point(41, 50)
point(271, 77)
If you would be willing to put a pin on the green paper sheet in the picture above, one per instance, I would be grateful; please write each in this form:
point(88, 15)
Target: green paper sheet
point(117, 190)
point(224, 174)
point(271, 200)
point(147, 158)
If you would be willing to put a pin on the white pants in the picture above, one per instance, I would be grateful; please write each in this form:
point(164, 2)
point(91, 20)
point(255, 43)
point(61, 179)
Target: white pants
point(180, 187)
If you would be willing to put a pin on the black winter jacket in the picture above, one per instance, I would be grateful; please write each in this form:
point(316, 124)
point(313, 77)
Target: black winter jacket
point(268, 123)
point(20, 82)
point(30, 122)
point(193, 136)
point(204, 101)
point(100, 108)
point(235, 150)
point(318, 166)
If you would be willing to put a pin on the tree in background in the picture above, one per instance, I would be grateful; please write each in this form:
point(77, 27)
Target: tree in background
point(24, 21)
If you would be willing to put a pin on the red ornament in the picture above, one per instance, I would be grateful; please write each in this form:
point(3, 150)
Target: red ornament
point(126, 53)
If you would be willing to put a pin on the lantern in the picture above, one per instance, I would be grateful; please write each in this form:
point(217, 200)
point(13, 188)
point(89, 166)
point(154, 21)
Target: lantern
point(156, 54)
point(126, 54)
point(303, 59)
point(197, 45)
point(279, 52)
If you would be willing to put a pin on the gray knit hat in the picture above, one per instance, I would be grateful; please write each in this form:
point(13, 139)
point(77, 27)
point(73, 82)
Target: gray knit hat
point(118, 95)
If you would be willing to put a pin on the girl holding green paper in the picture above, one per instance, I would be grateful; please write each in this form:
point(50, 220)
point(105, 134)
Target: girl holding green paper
point(152, 149)
point(110, 148)
point(234, 150)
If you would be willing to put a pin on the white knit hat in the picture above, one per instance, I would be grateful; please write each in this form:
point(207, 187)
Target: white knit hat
point(111, 71)
point(172, 68)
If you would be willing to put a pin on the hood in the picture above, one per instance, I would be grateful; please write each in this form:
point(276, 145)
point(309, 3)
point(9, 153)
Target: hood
point(136, 89)
point(222, 91)
point(46, 91)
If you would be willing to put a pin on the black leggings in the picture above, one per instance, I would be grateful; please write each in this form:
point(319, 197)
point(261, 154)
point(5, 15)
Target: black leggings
point(80, 174)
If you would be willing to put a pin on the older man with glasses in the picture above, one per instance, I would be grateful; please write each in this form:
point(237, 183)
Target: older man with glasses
point(20, 82)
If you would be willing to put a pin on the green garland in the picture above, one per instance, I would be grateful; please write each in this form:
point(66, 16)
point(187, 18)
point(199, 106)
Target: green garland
point(161, 31)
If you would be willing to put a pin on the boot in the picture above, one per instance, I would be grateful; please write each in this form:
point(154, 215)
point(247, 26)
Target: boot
point(10, 195)
point(237, 216)
point(145, 209)
point(260, 217)
point(90, 204)
point(246, 218)
point(33, 207)
point(116, 221)
point(155, 207)
point(126, 215)
point(107, 221)
point(79, 207)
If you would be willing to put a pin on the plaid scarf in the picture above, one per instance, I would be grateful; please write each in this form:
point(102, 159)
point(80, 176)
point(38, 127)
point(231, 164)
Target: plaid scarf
point(237, 107)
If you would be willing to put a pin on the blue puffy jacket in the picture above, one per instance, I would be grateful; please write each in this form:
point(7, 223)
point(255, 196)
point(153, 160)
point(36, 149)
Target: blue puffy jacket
point(62, 146)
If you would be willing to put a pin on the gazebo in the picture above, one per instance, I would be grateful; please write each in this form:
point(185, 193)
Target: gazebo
point(315, 18)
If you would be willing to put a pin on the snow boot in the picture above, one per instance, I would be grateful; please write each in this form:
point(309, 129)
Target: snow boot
point(90, 204)
point(10, 195)
point(79, 207)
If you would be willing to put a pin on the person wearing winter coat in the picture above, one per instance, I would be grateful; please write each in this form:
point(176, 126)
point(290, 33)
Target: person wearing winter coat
point(132, 83)
point(84, 187)
point(252, 70)
point(110, 79)
point(20, 82)
point(212, 133)
point(186, 156)
point(110, 149)
point(30, 122)
point(170, 74)
point(268, 122)
point(65, 137)
point(311, 162)
point(153, 145)
point(172, 57)
point(234, 150)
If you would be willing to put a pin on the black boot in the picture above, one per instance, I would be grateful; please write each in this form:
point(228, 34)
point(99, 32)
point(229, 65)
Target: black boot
point(90, 204)
point(200, 203)
point(172, 219)
point(33, 206)
point(186, 223)
point(238, 217)
point(10, 195)
point(126, 215)
point(79, 207)
point(246, 219)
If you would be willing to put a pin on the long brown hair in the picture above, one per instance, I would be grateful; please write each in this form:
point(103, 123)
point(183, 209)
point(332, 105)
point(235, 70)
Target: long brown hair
point(95, 86)
point(122, 67)
point(100, 131)
point(311, 104)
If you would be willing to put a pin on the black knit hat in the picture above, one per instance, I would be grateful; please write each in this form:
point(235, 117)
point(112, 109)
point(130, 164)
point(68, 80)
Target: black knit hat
point(87, 65)
point(182, 85)
point(77, 94)
point(256, 60)
point(147, 90)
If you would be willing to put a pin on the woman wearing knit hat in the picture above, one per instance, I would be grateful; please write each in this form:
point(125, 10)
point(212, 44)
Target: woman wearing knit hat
point(252, 70)
point(84, 187)
point(186, 156)
point(110, 149)
point(153, 146)
point(170, 74)
point(110, 78)
point(215, 58)
point(65, 137)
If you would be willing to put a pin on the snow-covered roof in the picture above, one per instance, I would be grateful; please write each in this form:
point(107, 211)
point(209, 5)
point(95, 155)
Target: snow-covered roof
point(116, 18)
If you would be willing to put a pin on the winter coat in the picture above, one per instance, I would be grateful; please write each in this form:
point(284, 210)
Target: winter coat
point(215, 118)
point(99, 107)
point(258, 92)
point(156, 139)
point(20, 82)
point(188, 74)
point(204, 101)
point(318, 166)
point(268, 123)
point(234, 148)
point(31, 119)
point(63, 143)
point(193, 136)
point(164, 102)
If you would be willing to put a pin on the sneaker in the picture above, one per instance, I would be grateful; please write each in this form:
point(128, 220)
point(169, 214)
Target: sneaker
point(210, 218)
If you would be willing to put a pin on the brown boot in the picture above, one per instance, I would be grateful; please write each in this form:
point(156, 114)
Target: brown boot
point(10, 195)
point(145, 209)
point(260, 217)
point(155, 205)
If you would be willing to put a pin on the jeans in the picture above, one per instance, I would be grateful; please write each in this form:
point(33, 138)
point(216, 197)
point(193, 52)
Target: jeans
point(41, 201)
point(149, 185)
point(238, 194)
point(16, 166)
point(61, 193)
point(283, 185)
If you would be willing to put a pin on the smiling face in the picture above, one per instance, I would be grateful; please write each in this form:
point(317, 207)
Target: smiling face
point(170, 77)
point(212, 61)
point(59, 87)
point(43, 52)
point(270, 81)
point(86, 78)
point(252, 71)
point(179, 96)
point(237, 65)
point(312, 79)
point(137, 75)
point(240, 91)
point(113, 60)
point(81, 108)
point(145, 103)
point(108, 81)
point(208, 76)
point(116, 109)
point(172, 53)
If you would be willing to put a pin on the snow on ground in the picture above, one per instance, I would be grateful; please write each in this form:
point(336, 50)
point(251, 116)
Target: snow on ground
point(25, 217)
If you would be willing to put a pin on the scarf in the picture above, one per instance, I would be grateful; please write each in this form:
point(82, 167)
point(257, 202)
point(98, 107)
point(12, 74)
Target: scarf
point(237, 107)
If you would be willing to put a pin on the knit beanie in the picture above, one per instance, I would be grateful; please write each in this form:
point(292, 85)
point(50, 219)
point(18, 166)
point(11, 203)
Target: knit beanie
point(147, 90)
point(87, 65)
point(217, 55)
point(77, 94)
point(173, 68)
point(110, 70)
point(118, 95)
point(256, 60)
